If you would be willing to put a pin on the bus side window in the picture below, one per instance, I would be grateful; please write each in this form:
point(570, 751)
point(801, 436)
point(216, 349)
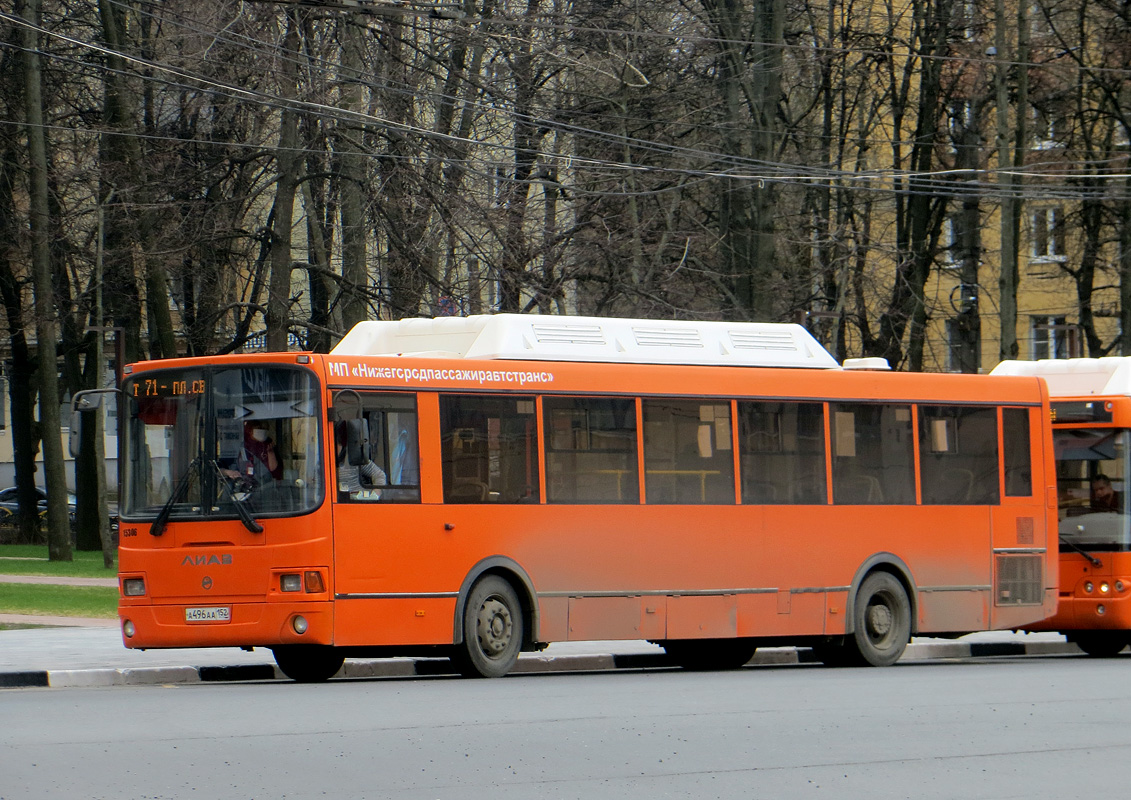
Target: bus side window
point(958, 459)
point(688, 452)
point(1018, 466)
point(590, 450)
point(782, 447)
point(489, 449)
point(873, 455)
point(392, 449)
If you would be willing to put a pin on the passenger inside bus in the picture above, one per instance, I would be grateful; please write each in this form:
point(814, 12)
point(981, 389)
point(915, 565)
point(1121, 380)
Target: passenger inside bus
point(356, 481)
point(1103, 496)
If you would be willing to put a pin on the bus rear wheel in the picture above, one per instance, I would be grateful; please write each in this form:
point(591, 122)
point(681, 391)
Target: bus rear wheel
point(710, 654)
point(1100, 644)
point(882, 622)
point(308, 663)
point(492, 630)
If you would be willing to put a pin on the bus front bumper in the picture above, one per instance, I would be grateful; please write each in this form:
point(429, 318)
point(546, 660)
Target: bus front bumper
point(226, 625)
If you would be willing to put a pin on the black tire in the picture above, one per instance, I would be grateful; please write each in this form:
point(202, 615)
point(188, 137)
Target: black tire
point(308, 663)
point(492, 630)
point(1100, 644)
point(881, 620)
point(710, 654)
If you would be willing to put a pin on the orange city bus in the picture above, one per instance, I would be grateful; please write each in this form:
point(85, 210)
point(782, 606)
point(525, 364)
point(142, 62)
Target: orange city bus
point(1091, 407)
point(476, 487)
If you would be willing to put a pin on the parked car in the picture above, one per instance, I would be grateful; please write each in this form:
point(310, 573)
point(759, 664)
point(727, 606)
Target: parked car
point(10, 507)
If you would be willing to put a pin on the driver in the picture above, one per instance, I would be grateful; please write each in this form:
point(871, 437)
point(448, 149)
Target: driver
point(1103, 496)
point(257, 460)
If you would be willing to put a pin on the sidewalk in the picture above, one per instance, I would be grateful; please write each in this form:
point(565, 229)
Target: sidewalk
point(75, 652)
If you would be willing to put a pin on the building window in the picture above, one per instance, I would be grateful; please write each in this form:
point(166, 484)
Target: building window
point(1053, 337)
point(1047, 234)
point(1050, 127)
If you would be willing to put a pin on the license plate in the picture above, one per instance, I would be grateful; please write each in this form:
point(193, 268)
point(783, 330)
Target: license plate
point(213, 614)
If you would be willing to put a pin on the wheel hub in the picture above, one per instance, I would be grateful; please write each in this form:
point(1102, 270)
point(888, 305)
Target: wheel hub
point(494, 627)
point(879, 620)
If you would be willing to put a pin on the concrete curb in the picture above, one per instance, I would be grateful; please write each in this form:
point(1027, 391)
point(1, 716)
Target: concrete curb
point(531, 663)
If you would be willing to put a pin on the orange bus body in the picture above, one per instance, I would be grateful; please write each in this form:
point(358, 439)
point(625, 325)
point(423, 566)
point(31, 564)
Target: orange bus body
point(395, 577)
point(1090, 403)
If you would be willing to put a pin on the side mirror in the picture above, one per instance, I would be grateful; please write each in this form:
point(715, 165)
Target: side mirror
point(86, 400)
point(357, 441)
point(74, 439)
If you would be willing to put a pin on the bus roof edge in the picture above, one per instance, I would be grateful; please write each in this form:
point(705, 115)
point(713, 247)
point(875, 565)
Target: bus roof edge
point(531, 337)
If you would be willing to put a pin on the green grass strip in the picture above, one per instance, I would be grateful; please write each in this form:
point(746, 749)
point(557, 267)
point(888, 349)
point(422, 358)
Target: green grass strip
point(29, 559)
point(58, 601)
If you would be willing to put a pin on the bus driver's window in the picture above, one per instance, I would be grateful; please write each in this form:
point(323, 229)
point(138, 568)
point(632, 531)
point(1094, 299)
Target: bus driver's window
point(393, 452)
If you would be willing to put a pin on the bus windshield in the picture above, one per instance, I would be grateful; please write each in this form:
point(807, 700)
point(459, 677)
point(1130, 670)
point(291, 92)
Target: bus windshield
point(1091, 470)
point(225, 442)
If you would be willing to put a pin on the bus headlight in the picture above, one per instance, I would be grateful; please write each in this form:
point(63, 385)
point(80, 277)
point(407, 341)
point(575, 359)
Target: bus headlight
point(1088, 587)
point(299, 624)
point(1104, 588)
point(133, 587)
point(290, 582)
point(1101, 609)
point(128, 629)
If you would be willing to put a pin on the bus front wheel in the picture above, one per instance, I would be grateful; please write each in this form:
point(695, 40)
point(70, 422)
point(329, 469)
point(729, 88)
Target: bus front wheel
point(308, 663)
point(882, 622)
point(492, 630)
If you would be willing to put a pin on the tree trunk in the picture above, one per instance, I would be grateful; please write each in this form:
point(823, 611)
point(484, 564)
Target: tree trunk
point(55, 482)
point(287, 161)
point(352, 181)
point(1009, 180)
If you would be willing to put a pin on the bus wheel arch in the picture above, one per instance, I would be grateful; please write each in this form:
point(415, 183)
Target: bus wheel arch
point(508, 570)
point(880, 616)
point(882, 562)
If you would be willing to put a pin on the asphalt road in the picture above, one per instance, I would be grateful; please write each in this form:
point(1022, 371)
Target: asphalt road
point(984, 728)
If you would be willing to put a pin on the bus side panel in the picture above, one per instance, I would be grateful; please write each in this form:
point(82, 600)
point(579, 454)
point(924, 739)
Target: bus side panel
point(946, 549)
point(641, 572)
point(393, 621)
point(954, 611)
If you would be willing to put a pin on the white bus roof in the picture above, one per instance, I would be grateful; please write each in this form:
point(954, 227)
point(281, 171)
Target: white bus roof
point(1076, 377)
point(527, 337)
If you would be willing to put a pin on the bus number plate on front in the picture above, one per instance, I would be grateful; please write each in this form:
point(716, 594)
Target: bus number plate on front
point(213, 614)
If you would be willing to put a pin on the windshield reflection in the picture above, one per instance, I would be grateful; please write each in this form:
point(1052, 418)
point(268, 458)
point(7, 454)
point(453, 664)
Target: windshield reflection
point(235, 440)
point(1091, 479)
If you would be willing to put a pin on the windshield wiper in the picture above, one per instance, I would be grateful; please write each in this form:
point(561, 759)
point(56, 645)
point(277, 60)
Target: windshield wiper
point(158, 526)
point(245, 515)
point(1073, 546)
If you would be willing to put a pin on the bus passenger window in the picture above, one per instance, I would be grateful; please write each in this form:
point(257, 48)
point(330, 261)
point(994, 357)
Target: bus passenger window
point(958, 461)
point(1018, 465)
point(590, 450)
point(394, 476)
point(489, 449)
point(873, 455)
point(688, 455)
point(782, 447)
